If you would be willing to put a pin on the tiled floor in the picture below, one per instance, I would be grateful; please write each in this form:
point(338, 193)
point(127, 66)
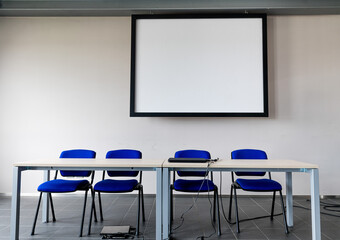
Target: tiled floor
point(121, 210)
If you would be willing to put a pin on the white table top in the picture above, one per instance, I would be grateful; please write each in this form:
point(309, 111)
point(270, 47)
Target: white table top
point(154, 163)
point(89, 162)
point(246, 164)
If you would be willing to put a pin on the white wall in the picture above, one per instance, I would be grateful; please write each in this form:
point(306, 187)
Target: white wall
point(64, 83)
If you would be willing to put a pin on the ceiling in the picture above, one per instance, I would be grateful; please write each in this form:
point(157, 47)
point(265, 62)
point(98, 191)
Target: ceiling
point(129, 7)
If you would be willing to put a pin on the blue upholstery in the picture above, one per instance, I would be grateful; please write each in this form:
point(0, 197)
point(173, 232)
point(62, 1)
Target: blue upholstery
point(64, 186)
point(61, 186)
point(201, 185)
point(123, 153)
point(259, 185)
point(116, 186)
point(120, 186)
point(255, 185)
point(192, 154)
point(77, 153)
point(194, 185)
point(249, 154)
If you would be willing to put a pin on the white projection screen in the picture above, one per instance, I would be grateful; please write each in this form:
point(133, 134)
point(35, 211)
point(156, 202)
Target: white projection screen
point(199, 65)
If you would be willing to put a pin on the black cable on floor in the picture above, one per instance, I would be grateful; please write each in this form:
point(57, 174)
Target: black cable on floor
point(211, 220)
point(243, 220)
point(326, 206)
point(329, 206)
point(196, 198)
point(211, 217)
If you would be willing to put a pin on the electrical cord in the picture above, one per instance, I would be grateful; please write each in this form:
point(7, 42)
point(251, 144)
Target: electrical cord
point(211, 207)
point(322, 203)
point(324, 213)
point(329, 206)
point(326, 206)
point(211, 221)
point(243, 220)
point(193, 204)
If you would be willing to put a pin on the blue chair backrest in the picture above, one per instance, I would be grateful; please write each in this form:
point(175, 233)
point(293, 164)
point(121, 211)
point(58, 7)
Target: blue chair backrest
point(192, 154)
point(123, 153)
point(249, 154)
point(77, 153)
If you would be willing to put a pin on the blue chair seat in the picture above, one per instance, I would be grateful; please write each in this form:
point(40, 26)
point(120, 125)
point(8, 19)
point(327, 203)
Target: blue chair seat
point(194, 185)
point(259, 184)
point(61, 186)
point(110, 185)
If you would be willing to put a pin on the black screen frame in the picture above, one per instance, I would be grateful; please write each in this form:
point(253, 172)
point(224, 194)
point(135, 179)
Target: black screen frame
point(133, 113)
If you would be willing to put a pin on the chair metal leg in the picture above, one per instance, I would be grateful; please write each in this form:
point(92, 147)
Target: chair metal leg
point(236, 211)
point(138, 213)
point(218, 213)
point(142, 198)
point(230, 201)
point(284, 213)
point(100, 207)
point(214, 207)
point(83, 217)
point(52, 207)
point(36, 214)
point(94, 205)
point(91, 213)
point(273, 205)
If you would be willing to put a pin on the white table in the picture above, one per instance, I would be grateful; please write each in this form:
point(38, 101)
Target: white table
point(287, 166)
point(83, 164)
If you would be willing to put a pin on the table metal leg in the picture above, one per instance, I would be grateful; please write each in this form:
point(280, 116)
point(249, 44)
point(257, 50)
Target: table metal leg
point(315, 204)
point(166, 203)
point(15, 215)
point(289, 199)
point(45, 205)
point(159, 194)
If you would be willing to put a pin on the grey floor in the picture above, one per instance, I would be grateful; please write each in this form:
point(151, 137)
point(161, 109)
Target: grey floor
point(121, 210)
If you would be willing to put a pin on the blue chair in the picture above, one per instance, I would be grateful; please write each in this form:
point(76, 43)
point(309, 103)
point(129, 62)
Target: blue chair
point(121, 186)
point(65, 186)
point(201, 185)
point(254, 185)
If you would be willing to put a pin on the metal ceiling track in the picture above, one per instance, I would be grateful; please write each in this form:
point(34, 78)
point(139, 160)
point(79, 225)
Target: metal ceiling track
point(129, 7)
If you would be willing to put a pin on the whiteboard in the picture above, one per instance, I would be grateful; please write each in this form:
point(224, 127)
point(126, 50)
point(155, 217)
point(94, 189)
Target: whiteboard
point(198, 66)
